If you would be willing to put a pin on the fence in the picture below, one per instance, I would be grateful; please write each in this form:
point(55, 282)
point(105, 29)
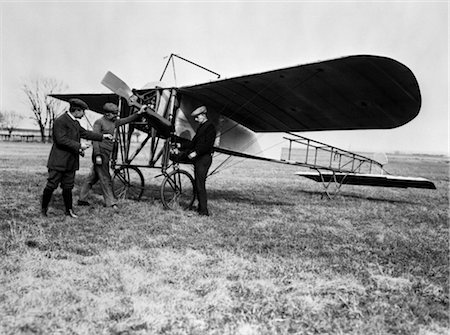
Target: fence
point(22, 135)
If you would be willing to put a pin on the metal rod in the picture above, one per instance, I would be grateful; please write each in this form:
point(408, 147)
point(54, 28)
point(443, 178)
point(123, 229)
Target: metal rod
point(290, 148)
point(307, 152)
point(186, 60)
point(202, 67)
point(138, 149)
point(165, 68)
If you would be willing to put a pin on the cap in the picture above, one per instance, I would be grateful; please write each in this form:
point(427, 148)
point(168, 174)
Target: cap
point(198, 111)
point(78, 103)
point(110, 107)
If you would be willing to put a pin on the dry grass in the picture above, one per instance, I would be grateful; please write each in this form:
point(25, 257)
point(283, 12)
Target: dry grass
point(273, 258)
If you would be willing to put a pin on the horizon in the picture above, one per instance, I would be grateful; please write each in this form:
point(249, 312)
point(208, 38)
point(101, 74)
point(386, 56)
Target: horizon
point(281, 148)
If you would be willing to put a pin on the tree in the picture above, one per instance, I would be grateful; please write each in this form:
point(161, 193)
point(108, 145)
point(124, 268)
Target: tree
point(9, 120)
point(45, 108)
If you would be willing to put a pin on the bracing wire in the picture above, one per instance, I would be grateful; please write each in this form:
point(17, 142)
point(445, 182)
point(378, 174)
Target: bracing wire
point(243, 148)
point(216, 170)
point(89, 122)
point(256, 94)
point(243, 105)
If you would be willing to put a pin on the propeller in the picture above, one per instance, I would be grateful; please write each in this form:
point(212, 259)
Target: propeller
point(118, 86)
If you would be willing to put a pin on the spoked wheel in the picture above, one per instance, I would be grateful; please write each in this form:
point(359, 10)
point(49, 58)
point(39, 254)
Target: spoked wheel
point(177, 190)
point(128, 183)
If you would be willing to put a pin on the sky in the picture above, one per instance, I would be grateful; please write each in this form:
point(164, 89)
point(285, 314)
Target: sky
point(78, 42)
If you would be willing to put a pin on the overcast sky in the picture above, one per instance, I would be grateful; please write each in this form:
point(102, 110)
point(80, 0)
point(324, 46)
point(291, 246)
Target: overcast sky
point(78, 42)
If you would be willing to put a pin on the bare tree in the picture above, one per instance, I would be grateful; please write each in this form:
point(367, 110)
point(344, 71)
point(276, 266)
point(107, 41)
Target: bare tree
point(45, 108)
point(9, 120)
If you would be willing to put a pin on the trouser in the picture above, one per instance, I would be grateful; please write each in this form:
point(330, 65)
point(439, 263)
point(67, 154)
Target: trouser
point(64, 178)
point(101, 174)
point(201, 167)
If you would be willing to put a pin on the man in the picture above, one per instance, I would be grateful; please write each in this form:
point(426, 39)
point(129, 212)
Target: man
point(200, 151)
point(101, 155)
point(64, 159)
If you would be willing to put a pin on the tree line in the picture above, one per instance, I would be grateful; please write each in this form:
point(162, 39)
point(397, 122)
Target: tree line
point(43, 107)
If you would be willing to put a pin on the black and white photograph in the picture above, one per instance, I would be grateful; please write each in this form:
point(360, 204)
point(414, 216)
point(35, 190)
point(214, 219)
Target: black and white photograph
point(224, 167)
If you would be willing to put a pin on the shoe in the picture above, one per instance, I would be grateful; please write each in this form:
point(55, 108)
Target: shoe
point(71, 213)
point(83, 203)
point(44, 211)
point(203, 213)
point(116, 209)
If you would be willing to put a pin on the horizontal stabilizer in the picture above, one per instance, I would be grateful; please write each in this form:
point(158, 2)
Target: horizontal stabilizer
point(368, 179)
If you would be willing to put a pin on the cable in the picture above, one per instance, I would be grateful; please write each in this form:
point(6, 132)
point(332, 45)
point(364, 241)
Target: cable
point(230, 157)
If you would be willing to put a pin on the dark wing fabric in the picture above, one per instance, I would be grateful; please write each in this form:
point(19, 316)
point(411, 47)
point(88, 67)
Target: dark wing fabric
point(94, 101)
point(355, 92)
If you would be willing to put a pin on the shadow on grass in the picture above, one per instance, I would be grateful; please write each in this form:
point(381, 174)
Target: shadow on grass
point(357, 196)
point(267, 198)
point(234, 196)
point(262, 195)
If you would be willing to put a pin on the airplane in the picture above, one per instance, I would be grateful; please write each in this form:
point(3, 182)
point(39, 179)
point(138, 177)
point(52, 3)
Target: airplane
point(349, 93)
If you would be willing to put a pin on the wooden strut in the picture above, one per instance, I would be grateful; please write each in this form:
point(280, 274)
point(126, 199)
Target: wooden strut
point(124, 135)
point(347, 162)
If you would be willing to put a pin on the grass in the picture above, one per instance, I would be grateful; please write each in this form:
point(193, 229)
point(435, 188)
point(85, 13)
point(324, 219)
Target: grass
point(274, 258)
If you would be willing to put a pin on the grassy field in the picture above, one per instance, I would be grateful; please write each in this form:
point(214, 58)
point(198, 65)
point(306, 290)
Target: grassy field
point(274, 258)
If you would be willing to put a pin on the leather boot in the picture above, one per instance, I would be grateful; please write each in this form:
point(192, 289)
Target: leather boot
point(67, 197)
point(46, 197)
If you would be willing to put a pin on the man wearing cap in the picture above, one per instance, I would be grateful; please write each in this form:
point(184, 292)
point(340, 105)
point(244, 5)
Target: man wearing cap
point(101, 155)
point(200, 151)
point(64, 159)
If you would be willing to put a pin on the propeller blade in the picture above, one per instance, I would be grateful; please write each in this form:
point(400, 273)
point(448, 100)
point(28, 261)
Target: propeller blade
point(117, 85)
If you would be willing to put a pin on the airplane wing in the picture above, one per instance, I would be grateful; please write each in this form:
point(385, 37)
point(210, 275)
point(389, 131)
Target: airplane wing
point(94, 101)
point(368, 179)
point(355, 92)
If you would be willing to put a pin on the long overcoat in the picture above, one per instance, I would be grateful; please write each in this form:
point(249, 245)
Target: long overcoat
point(64, 155)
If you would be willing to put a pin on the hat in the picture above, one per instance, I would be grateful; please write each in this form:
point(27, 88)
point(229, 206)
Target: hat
point(198, 111)
point(78, 103)
point(109, 107)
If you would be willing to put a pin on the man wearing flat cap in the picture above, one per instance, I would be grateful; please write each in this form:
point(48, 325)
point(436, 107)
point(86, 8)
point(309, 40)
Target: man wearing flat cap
point(200, 151)
point(101, 155)
point(64, 159)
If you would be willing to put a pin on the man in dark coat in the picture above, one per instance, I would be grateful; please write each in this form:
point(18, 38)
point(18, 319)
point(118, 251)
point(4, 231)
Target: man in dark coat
point(200, 151)
point(64, 155)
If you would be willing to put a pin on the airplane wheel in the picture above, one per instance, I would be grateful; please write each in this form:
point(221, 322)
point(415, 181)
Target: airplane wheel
point(177, 190)
point(128, 183)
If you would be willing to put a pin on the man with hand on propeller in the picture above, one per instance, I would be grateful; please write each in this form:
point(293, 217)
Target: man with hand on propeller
point(101, 155)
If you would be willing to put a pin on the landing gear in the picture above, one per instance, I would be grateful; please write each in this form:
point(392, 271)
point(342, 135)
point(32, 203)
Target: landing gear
point(128, 183)
point(178, 190)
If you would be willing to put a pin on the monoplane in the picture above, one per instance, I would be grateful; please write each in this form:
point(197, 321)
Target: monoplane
point(349, 93)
